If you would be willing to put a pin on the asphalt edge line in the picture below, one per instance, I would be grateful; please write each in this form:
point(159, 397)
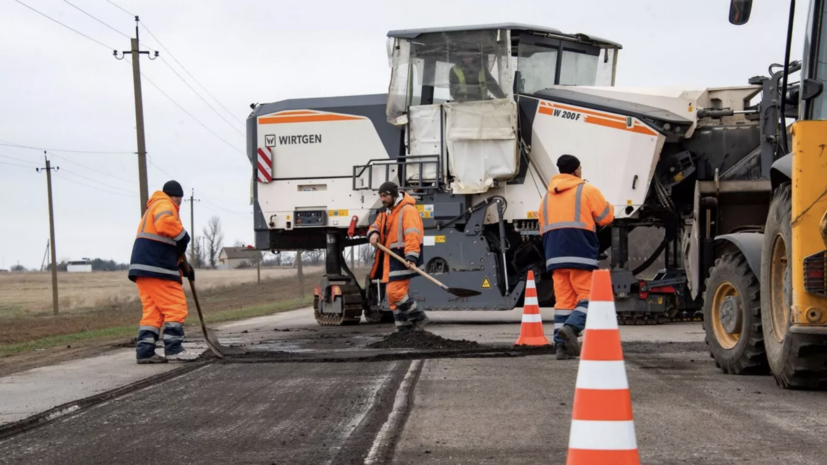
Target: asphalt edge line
point(54, 413)
point(387, 435)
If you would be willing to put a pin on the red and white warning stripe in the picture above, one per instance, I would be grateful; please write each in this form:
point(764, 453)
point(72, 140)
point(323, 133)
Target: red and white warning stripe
point(265, 164)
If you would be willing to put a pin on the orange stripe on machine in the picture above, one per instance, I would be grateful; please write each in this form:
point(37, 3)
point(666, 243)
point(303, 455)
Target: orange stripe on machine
point(593, 117)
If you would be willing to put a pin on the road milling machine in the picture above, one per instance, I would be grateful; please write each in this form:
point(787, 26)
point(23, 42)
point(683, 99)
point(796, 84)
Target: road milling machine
point(472, 125)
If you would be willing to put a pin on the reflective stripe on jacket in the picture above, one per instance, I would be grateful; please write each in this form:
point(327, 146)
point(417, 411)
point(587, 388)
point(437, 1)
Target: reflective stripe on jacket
point(161, 241)
point(402, 232)
point(569, 215)
point(482, 83)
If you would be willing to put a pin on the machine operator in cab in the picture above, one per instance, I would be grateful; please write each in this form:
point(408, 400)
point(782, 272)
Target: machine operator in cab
point(399, 228)
point(570, 213)
point(470, 80)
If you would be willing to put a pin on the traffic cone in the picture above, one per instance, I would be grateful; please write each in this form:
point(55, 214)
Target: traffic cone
point(602, 427)
point(531, 330)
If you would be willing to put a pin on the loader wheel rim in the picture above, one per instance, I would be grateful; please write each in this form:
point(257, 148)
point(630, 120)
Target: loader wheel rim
point(727, 315)
point(780, 288)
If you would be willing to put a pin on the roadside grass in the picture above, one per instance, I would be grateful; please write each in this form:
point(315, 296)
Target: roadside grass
point(126, 331)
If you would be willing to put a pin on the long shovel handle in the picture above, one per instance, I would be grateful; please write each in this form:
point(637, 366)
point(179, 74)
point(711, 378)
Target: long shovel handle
point(421, 273)
point(195, 298)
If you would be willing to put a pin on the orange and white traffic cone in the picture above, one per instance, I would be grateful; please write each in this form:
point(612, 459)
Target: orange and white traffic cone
point(602, 427)
point(531, 330)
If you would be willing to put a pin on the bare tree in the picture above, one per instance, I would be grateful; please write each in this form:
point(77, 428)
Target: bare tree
point(215, 239)
point(239, 243)
point(315, 257)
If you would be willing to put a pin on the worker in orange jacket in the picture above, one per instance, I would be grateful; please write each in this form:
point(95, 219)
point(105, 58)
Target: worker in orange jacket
point(156, 267)
point(399, 228)
point(569, 215)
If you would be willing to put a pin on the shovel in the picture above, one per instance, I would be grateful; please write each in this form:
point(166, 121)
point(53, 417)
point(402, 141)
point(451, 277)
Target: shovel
point(212, 340)
point(459, 292)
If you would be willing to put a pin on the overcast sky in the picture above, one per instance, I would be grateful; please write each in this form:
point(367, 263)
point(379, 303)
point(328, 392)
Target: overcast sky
point(63, 91)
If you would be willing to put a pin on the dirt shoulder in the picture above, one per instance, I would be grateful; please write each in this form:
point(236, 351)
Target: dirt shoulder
point(32, 340)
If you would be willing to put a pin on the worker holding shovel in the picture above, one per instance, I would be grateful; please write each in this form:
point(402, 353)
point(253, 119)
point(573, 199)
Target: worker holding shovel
point(156, 267)
point(399, 228)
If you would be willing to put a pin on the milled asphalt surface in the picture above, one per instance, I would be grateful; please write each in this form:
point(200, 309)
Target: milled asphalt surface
point(459, 410)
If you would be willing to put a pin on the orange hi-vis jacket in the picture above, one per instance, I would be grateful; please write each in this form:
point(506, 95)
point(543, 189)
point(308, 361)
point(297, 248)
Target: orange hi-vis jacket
point(569, 215)
point(161, 241)
point(401, 231)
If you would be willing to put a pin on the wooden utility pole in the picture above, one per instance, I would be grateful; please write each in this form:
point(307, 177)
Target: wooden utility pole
point(48, 170)
point(192, 201)
point(136, 53)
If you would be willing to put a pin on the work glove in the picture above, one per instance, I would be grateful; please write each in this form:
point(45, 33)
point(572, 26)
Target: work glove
point(190, 274)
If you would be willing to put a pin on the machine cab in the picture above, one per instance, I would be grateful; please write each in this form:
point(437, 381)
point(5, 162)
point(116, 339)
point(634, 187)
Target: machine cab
point(456, 90)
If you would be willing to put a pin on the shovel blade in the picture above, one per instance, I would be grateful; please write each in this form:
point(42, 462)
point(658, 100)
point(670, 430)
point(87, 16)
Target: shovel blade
point(213, 343)
point(459, 292)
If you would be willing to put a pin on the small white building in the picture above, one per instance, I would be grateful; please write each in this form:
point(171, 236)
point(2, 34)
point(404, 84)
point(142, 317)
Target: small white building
point(234, 257)
point(83, 266)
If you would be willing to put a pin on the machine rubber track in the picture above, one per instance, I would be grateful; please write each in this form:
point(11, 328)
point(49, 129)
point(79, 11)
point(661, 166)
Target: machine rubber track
point(352, 303)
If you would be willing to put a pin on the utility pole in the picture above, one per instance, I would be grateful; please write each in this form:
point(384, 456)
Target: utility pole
point(192, 201)
point(49, 169)
point(136, 53)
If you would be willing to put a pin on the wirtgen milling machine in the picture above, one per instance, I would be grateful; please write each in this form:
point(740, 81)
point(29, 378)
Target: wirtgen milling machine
point(472, 126)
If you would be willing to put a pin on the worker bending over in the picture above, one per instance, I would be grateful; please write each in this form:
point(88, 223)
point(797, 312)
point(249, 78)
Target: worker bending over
point(569, 216)
point(156, 267)
point(399, 228)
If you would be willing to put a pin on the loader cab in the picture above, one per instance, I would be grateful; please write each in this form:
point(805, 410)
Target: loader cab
point(455, 91)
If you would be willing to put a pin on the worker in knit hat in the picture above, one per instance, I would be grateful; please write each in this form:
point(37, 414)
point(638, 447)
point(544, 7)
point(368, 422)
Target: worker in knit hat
point(569, 216)
point(156, 268)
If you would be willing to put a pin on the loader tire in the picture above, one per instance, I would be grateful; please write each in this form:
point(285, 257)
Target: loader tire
point(732, 317)
point(797, 361)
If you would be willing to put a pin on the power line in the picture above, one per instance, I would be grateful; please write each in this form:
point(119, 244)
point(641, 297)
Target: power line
point(92, 169)
point(118, 7)
point(189, 114)
point(15, 164)
point(202, 98)
point(65, 150)
point(19, 159)
point(67, 27)
point(226, 210)
point(96, 19)
point(74, 181)
point(188, 73)
point(98, 182)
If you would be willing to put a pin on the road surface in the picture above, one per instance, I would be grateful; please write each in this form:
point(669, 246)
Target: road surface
point(316, 395)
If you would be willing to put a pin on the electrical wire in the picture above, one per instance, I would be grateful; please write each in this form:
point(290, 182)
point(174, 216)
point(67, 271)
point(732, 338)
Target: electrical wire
point(15, 164)
point(188, 73)
point(188, 113)
point(19, 159)
point(92, 169)
point(202, 98)
point(131, 194)
point(67, 27)
point(65, 150)
point(96, 19)
point(118, 7)
point(244, 215)
point(108, 186)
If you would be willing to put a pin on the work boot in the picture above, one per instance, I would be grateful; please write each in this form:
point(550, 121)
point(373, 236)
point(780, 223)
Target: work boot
point(152, 360)
point(183, 356)
point(569, 336)
point(402, 329)
point(560, 350)
point(419, 319)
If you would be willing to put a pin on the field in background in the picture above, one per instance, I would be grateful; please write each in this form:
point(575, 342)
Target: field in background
point(106, 310)
point(24, 294)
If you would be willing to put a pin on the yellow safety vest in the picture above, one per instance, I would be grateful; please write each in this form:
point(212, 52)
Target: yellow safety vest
point(481, 83)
